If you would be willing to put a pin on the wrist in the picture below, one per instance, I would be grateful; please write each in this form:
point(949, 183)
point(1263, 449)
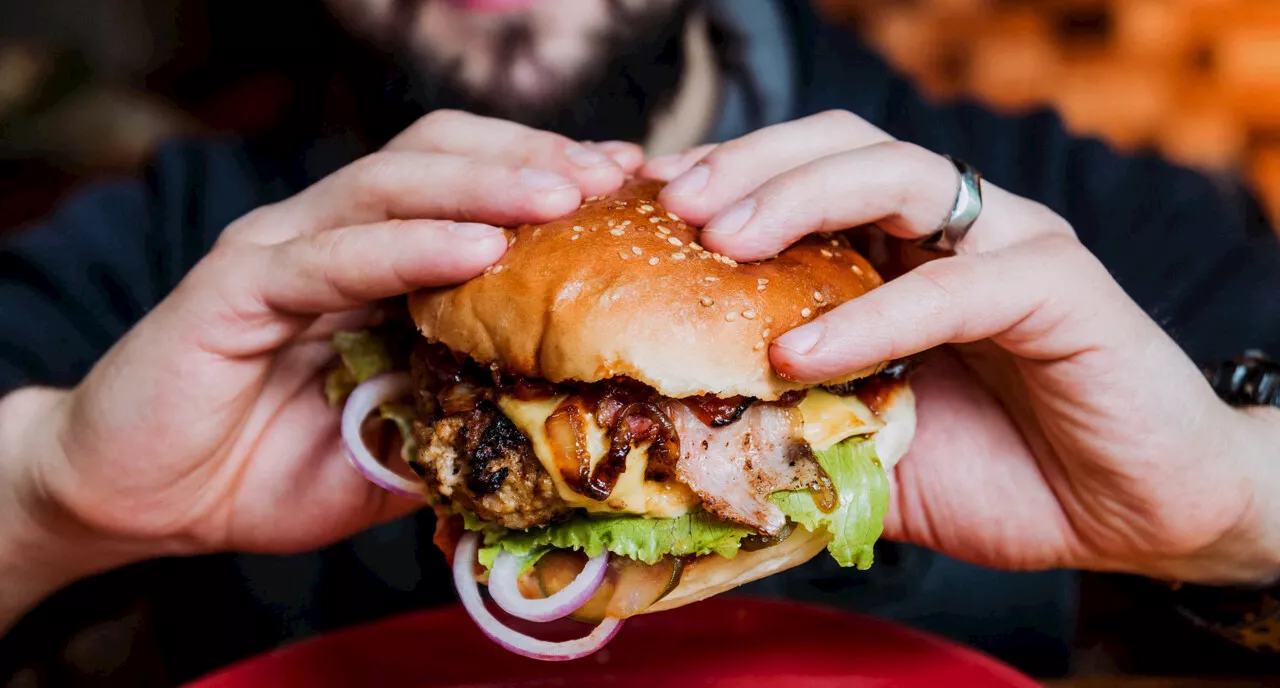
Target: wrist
point(1247, 554)
point(42, 547)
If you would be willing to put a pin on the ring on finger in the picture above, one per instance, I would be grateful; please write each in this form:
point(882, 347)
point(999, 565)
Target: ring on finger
point(964, 212)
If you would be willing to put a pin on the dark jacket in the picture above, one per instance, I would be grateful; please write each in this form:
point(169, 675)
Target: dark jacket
point(1196, 254)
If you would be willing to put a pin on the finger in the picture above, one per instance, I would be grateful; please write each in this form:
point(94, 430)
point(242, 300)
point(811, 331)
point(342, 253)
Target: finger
point(735, 168)
point(668, 167)
point(243, 299)
point(628, 156)
point(501, 141)
point(1043, 300)
point(389, 186)
point(904, 189)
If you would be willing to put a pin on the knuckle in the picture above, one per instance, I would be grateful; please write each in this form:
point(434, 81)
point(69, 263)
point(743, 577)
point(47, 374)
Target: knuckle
point(838, 118)
point(441, 119)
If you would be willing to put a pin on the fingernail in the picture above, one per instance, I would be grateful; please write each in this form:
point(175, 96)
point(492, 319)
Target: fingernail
point(733, 219)
point(801, 340)
point(542, 180)
point(474, 230)
point(690, 182)
point(585, 157)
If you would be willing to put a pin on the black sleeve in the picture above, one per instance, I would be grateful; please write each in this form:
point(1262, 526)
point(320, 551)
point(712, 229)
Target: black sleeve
point(1196, 254)
point(71, 286)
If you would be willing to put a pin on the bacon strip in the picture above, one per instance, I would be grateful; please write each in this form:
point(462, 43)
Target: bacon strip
point(736, 467)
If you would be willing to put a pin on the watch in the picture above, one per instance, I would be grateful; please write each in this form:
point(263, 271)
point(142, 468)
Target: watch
point(1247, 616)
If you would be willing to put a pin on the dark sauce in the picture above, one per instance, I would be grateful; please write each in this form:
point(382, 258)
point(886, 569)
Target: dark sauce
point(823, 490)
point(636, 423)
point(716, 412)
point(876, 391)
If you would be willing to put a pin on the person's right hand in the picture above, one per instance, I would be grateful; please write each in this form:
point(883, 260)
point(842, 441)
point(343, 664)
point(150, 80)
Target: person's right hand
point(205, 428)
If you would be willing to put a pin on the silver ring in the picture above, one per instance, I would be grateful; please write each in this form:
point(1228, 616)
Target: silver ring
point(964, 212)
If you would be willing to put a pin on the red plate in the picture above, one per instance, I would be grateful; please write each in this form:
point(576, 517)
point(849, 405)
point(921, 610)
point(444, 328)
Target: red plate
point(720, 642)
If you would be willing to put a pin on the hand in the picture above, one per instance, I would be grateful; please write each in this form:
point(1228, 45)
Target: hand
point(205, 428)
point(1064, 428)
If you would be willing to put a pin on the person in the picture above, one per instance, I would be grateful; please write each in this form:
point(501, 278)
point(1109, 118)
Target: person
point(162, 340)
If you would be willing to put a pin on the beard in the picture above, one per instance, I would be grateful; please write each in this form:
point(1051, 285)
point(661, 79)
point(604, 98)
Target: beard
point(632, 72)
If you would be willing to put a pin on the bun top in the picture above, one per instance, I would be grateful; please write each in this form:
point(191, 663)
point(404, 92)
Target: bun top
point(621, 288)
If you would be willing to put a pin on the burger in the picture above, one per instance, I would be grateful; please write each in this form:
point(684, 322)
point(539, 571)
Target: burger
point(597, 425)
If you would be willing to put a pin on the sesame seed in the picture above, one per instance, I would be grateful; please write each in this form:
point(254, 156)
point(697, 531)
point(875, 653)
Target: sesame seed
point(749, 314)
point(709, 278)
point(806, 313)
point(695, 246)
point(616, 232)
point(653, 260)
point(758, 346)
point(655, 219)
point(856, 270)
point(835, 243)
point(537, 232)
point(762, 280)
point(674, 241)
point(622, 254)
point(730, 262)
point(663, 230)
point(488, 270)
point(646, 208)
point(625, 223)
point(574, 237)
point(511, 241)
point(768, 319)
point(589, 199)
point(497, 269)
point(817, 296)
point(636, 250)
point(730, 316)
point(760, 287)
point(719, 258)
point(826, 253)
point(673, 216)
point(704, 255)
point(612, 222)
point(706, 301)
point(765, 334)
point(577, 228)
point(661, 236)
point(678, 255)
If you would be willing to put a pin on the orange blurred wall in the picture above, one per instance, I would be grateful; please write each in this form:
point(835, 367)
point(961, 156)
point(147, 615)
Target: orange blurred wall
point(1198, 80)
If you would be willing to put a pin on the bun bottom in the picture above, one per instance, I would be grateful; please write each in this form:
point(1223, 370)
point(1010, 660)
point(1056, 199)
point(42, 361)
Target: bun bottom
point(714, 574)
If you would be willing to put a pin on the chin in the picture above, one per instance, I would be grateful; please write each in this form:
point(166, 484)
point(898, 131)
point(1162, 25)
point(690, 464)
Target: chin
point(509, 56)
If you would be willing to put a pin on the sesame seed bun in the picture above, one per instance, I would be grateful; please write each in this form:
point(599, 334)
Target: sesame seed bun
point(621, 288)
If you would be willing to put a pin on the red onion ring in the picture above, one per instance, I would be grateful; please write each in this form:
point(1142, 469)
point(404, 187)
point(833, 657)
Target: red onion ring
point(364, 400)
point(506, 592)
point(464, 561)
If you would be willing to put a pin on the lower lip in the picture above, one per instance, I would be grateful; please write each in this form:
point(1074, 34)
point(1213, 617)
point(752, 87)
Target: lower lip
point(491, 5)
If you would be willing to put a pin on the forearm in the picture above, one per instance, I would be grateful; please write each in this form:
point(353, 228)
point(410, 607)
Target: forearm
point(42, 548)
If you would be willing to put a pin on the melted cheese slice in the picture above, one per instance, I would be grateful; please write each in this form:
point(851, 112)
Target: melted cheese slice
point(631, 494)
point(828, 419)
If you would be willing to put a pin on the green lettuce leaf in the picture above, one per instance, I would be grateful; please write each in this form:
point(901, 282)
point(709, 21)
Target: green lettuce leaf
point(637, 537)
point(363, 355)
point(863, 491)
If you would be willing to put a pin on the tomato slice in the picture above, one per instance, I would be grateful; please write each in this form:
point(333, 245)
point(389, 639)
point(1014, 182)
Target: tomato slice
point(629, 586)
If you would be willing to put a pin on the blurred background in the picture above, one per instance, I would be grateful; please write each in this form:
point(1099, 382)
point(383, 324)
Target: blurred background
point(88, 88)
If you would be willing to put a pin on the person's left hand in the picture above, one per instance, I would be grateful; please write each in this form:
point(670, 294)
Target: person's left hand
point(1064, 429)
